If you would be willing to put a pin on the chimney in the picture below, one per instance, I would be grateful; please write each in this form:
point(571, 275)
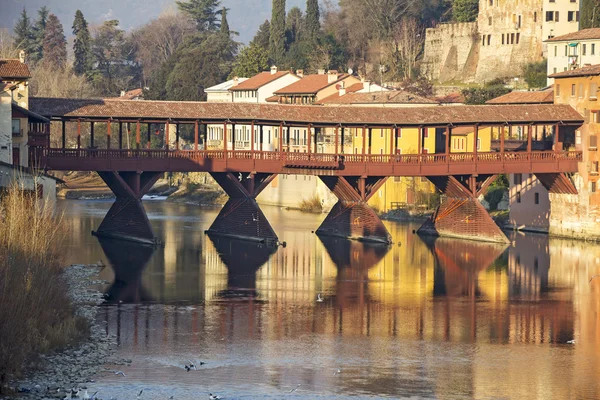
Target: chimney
point(273, 70)
point(300, 73)
point(236, 80)
point(321, 71)
point(22, 57)
point(332, 76)
point(342, 91)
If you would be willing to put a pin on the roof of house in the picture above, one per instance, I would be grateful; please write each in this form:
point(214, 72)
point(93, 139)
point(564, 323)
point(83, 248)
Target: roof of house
point(259, 80)
point(310, 84)
point(132, 94)
point(590, 33)
point(522, 97)
point(30, 114)
point(10, 69)
point(451, 98)
point(272, 113)
point(389, 97)
point(225, 86)
point(272, 99)
point(31, 171)
point(589, 70)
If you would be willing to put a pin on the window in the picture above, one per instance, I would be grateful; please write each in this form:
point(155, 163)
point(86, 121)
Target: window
point(556, 88)
point(593, 90)
point(490, 21)
point(595, 116)
point(503, 38)
point(518, 197)
point(556, 16)
point(518, 179)
point(573, 90)
point(489, 38)
point(518, 36)
point(536, 199)
point(381, 133)
point(519, 23)
point(584, 49)
point(566, 52)
point(549, 16)
point(593, 141)
point(571, 16)
point(593, 187)
point(580, 90)
point(16, 127)
point(535, 16)
point(595, 167)
point(555, 51)
point(512, 38)
point(554, 69)
point(593, 49)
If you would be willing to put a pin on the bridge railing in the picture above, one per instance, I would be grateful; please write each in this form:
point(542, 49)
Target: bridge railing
point(291, 157)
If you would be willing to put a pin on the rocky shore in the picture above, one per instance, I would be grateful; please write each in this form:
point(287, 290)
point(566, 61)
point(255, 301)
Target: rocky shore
point(53, 375)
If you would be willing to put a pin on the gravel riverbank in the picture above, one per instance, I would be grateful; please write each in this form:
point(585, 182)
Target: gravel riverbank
point(53, 375)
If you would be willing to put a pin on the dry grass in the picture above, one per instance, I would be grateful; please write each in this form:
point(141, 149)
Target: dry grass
point(35, 312)
point(312, 204)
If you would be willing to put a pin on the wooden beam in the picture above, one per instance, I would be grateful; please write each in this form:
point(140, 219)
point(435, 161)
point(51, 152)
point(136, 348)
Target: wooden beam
point(364, 141)
point(108, 133)
point(177, 135)
point(137, 135)
point(448, 133)
point(252, 137)
point(336, 140)
point(120, 135)
point(309, 136)
point(149, 128)
point(167, 129)
point(64, 134)
point(92, 134)
point(196, 136)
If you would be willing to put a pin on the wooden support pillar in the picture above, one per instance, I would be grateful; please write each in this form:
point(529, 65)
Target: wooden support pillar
point(92, 134)
point(196, 135)
point(448, 133)
point(261, 138)
point(78, 134)
point(529, 138)
point(225, 138)
point(343, 139)
point(252, 136)
point(108, 134)
point(556, 143)
point(64, 134)
point(280, 137)
point(364, 141)
point(120, 135)
point(475, 139)
point(149, 128)
point(205, 136)
point(137, 135)
point(420, 140)
point(232, 137)
point(392, 136)
point(370, 139)
point(177, 136)
point(309, 142)
point(167, 129)
point(336, 140)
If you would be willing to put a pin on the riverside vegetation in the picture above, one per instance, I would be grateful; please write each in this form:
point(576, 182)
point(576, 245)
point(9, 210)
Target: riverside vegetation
point(35, 312)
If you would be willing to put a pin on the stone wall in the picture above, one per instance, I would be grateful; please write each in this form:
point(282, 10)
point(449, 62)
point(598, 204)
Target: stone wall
point(451, 52)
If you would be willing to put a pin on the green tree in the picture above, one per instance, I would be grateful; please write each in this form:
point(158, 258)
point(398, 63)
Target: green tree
point(261, 39)
point(313, 24)
point(224, 23)
point(277, 32)
point(465, 10)
point(38, 32)
point(590, 14)
point(203, 12)
point(482, 95)
point(294, 22)
point(23, 32)
point(82, 45)
point(55, 43)
point(251, 61)
point(535, 74)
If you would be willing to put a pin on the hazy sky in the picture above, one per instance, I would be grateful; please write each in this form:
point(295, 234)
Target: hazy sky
point(245, 15)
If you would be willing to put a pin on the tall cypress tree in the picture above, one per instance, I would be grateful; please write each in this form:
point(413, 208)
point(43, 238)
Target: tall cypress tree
point(55, 43)
point(590, 14)
point(202, 12)
point(261, 39)
point(313, 25)
point(23, 32)
point(224, 23)
point(38, 32)
point(82, 45)
point(277, 33)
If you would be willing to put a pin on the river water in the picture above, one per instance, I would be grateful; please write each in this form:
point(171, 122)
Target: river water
point(444, 319)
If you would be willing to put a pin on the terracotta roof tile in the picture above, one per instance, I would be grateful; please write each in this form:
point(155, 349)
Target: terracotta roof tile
point(13, 69)
point(310, 84)
point(388, 97)
point(272, 99)
point(451, 98)
point(591, 33)
point(259, 80)
point(590, 70)
point(517, 97)
point(132, 94)
point(245, 112)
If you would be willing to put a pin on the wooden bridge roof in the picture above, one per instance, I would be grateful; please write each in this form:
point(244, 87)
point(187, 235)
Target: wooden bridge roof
point(98, 109)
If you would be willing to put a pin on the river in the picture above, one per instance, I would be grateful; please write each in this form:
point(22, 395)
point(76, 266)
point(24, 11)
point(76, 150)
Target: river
point(423, 318)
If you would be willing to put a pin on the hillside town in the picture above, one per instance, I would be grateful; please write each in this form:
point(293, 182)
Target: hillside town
point(437, 151)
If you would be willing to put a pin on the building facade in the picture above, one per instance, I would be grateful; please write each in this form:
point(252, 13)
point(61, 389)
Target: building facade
point(573, 51)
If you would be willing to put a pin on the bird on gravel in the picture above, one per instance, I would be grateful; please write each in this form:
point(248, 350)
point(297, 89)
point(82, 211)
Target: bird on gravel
point(187, 368)
point(120, 373)
point(296, 388)
point(86, 396)
point(319, 298)
point(139, 395)
point(192, 365)
point(214, 397)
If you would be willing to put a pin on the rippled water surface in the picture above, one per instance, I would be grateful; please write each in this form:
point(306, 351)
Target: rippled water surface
point(423, 318)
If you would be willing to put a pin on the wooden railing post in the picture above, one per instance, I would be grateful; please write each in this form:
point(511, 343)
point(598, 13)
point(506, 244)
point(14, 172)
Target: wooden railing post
point(108, 133)
point(138, 138)
point(92, 134)
point(177, 136)
point(309, 142)
point(167, 129)
point(336, 139)
point(364, 143)
point(196, 135)
point(475, 140)
point(252, 138)
point(120, 135)
point(64, 134)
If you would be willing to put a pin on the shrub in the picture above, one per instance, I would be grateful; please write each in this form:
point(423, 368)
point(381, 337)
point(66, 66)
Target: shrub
point(535, 74)
point(35, 312)
point(311, 205)
point(481, 95)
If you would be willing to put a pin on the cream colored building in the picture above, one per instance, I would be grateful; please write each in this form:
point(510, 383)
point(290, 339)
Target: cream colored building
point(221, 93)
point(573, 50)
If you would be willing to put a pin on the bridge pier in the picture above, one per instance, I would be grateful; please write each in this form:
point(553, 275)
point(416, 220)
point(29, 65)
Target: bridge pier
point(241, 217)
point(352, 217)
point(127, 219)
point(461, 215)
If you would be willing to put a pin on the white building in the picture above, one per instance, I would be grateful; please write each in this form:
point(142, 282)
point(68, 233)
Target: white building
point(220, 93)
point(573, 50)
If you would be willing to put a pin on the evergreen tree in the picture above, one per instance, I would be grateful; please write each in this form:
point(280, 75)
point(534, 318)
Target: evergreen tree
point(590, 14)
point(277, 33)
point(203, 12)
point(55, 43)
point(465, 10)
point(251, 61)
point(261, 39)
point(313, 25)
point(224, 24)
point(38, 32)
point(294, 22)
point(82, 45)
point(23, 32)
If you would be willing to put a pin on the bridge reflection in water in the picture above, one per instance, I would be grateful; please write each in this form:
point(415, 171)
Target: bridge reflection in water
point(444, 309)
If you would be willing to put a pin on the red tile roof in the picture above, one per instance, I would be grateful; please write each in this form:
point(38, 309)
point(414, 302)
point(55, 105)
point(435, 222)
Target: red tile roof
point(272, 99)
point(259, 80)
point(388, 97)
point(591, 33)
point(303, 114)
point(310, 84)
point(10, 69)
point(590, 70)
point(451, 98)
point(517, 97)
point(132, 94)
